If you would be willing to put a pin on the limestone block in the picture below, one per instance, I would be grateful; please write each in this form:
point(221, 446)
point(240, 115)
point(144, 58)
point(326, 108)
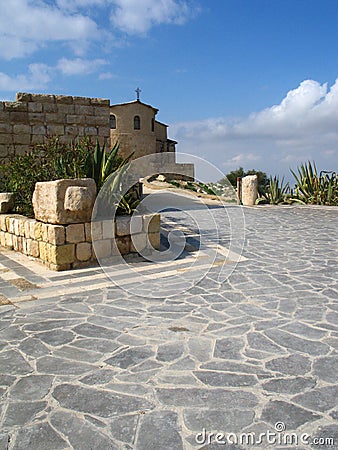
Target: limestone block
point(37, 231)
point(9, 240)
point(56, 234)
point(154, 240)
point(29, 223)
point(249, 190)
point(123, 244)
point(33, 248)
point(64, 201)
point(102, 248)
point(83, 251)
point(2, 238)
point(15, 243)
point(44, 232)
point(43, 251)
point(136, 224)
point(152, 223)
point(138, 242)
point(96, 230)
point(88, 232)
point(75, 233)
point(108, 229)
point(3, 223)
point(122, 225)
point(61, 254)
point(6, 202)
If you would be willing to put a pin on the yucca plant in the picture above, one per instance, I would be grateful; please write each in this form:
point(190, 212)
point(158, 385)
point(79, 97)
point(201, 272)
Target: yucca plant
point(276, 191)
point(315, 189)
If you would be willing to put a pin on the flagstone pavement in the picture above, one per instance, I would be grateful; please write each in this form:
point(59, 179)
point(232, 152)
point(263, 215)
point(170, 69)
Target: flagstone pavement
point(86, 364)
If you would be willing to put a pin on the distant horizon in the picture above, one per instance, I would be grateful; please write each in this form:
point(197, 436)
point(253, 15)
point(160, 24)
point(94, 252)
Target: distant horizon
point(249, 83)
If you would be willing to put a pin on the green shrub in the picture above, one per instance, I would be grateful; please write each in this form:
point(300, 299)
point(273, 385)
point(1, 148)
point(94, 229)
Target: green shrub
point(55, 160)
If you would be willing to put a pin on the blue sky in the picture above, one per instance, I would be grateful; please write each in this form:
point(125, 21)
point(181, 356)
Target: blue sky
point(247, 83)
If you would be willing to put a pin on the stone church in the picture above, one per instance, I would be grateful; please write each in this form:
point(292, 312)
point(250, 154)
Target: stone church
point(134, 127)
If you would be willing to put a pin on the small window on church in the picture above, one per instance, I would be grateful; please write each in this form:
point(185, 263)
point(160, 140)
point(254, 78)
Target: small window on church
point(112, 121)
point(137, 123)
point(153, 124)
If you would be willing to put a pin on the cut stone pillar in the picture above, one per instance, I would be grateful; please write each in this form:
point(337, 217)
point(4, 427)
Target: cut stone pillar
point(64, 201)
point(249, 190)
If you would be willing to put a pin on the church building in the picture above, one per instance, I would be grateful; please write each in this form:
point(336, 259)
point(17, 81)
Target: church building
point(134, 126)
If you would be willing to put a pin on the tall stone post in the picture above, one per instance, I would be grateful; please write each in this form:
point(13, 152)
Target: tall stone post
point(249, 190)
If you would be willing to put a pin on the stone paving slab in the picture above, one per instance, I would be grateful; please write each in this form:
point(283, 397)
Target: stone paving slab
point(86, 364)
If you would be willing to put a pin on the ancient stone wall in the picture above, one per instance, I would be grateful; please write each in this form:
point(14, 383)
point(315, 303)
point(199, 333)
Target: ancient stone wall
point(32, 117)
point(64, 247)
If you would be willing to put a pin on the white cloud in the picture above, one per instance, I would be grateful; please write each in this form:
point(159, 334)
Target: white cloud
point(302, 126)
point(138, 16)
point(26, 25)
point(38, 77)
point(79, 66)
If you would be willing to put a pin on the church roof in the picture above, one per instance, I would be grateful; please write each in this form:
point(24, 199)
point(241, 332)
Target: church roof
point(135, 102)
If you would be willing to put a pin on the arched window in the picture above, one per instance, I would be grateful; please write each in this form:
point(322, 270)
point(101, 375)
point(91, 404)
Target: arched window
point(152, 124)
point(137, 123)
point(112, 121)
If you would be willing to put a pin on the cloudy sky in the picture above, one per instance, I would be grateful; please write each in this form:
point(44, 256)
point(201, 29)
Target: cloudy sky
point(250, 83)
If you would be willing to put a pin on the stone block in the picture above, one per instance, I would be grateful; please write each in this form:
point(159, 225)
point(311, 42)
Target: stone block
point(123, 244)
point(108, 229)
point(122, 225)
point(138, 242)
point(88, 232)
point(249, 190)
point(33, 248)
point(61, 254)
point(37, 231)
point(3, 223)
point(44, 232)
point(102, 248)
point(15, 243)
point(5, 128)
point(83, 251)
point(9, 241)
point(154, 240)
point(64, 201)
point(96, 231)
point(152, 223)
point(136, 224)
point(2, 238)
point(75, 233)
point(28, 226)
point(56, 234)
point(34, 107)
point(23, 97)
point(43, 250)
point(6, 202)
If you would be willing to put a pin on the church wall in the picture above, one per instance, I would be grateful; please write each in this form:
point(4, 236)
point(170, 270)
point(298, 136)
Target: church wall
point(142, 141)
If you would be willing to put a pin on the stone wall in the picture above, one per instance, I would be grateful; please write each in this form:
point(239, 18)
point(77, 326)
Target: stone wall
point(32, 117)
point(63, 247)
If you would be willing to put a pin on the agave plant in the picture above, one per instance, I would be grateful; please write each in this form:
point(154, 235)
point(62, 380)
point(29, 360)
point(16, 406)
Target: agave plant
point(101, 163)
point(276, 191)
point(315, 189)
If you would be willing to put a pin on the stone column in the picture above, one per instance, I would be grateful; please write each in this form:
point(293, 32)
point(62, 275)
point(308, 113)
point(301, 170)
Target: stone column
point(249, 190)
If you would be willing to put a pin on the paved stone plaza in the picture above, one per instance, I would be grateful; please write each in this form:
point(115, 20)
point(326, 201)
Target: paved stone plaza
point(85, 364)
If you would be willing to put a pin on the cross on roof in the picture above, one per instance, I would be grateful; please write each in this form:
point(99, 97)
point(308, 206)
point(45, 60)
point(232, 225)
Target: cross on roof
point(138, 90)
